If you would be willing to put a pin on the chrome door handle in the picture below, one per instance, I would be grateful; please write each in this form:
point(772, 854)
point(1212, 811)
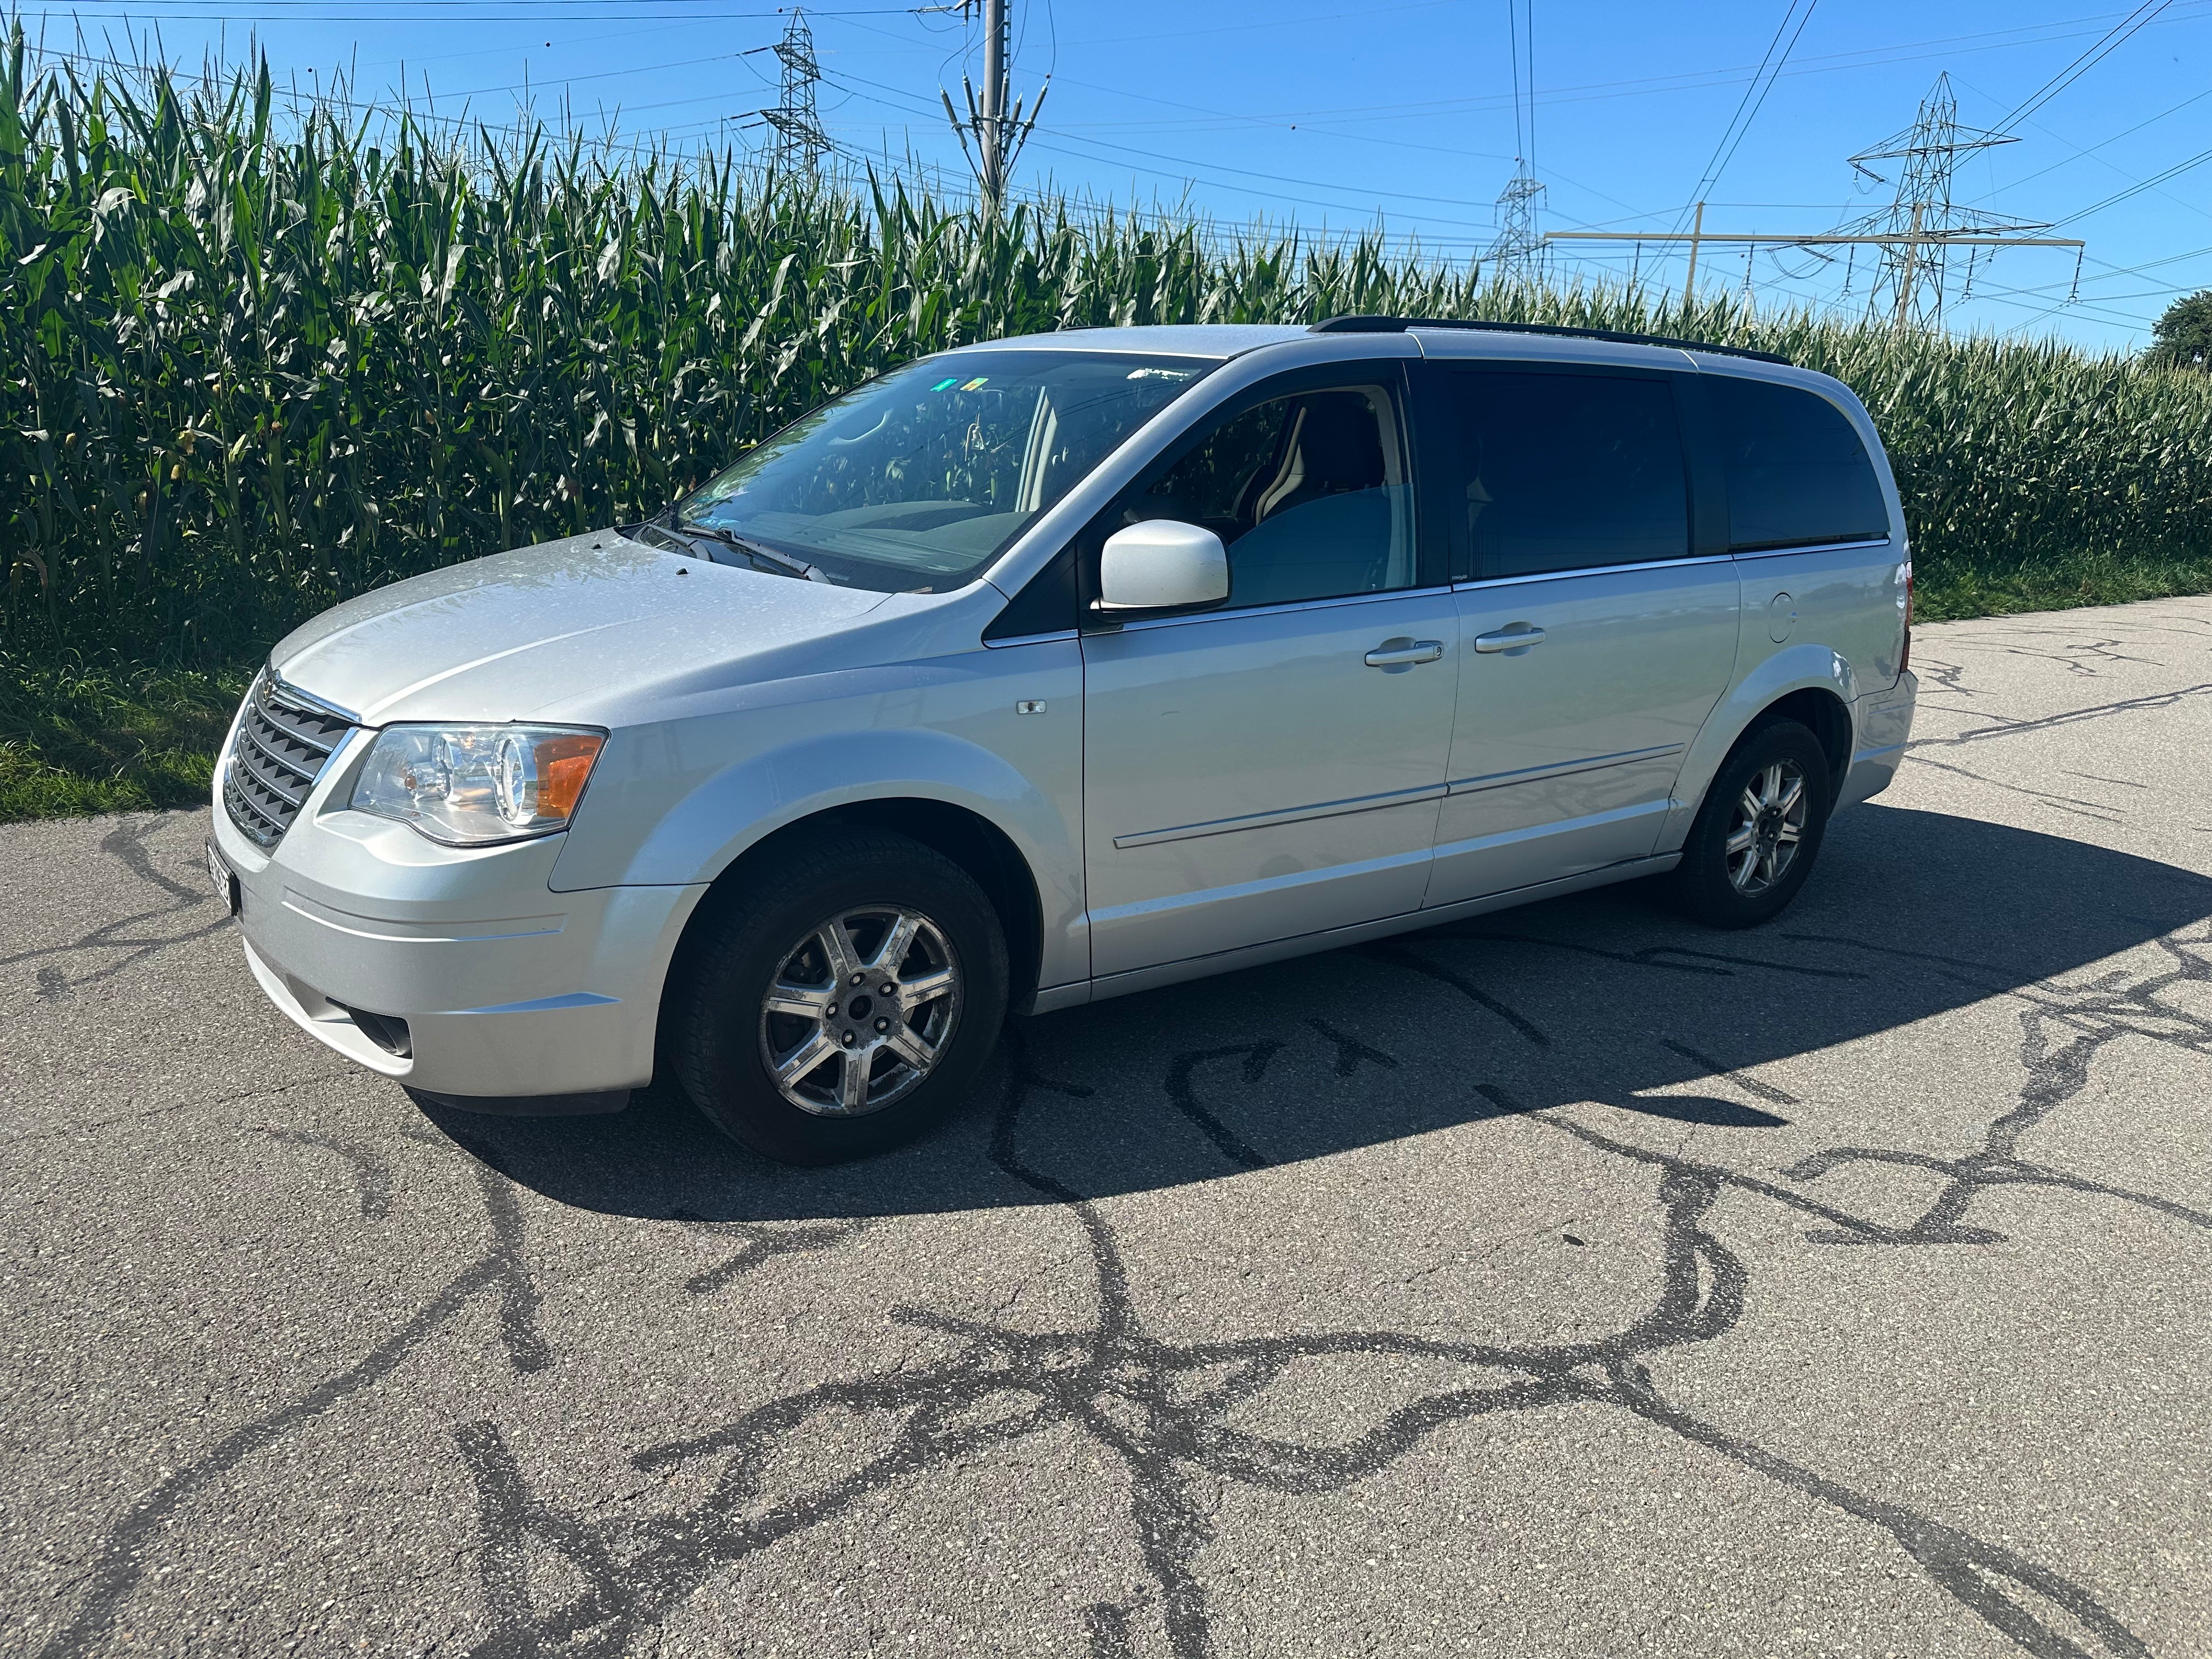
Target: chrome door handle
point(1510, 639)
point(1404, 653)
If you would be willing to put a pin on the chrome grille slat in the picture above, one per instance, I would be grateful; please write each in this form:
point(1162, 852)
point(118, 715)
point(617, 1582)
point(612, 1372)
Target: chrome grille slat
point(278, 746)
point(258, 825)
point(266, 769)
point(304, 768)
point(312, 728)
point(282, 744)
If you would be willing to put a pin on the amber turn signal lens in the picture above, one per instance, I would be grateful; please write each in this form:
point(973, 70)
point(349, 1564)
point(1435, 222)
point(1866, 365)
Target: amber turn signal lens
point(563, 763)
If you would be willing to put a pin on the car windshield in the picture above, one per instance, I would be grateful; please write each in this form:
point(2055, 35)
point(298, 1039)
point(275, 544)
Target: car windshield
point(917, 479)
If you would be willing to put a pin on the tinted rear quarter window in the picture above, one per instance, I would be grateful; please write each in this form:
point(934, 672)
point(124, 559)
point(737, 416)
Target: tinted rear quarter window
point(1567, 472)
point(1797, 474)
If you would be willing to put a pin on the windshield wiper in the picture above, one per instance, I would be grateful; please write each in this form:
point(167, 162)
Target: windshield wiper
point(767, 556)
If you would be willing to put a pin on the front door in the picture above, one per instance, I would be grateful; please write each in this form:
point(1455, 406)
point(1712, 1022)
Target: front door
point(1272, 767)
point(1597, 639)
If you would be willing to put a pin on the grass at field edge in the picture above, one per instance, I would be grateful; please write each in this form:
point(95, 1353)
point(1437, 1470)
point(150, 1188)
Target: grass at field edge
point(81, 736)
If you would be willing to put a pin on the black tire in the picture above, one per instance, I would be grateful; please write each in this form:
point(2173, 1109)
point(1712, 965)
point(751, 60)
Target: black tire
point(1709, 884)
point(772, 921)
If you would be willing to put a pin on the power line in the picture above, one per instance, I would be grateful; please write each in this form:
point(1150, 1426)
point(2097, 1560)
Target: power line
point(1517, 254)
point(1754, 98)
point(1910, 283)
point(2155, 179)
point(2081, 66)
point(1916, 235)
point(843, 77)
point(2080, 153)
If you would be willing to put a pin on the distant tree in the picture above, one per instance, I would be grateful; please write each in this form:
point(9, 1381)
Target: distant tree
point(2182, 337)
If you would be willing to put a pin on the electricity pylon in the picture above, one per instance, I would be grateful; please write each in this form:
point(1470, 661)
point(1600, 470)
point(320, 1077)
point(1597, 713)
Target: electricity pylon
point(1911, 282)
point(1517, 255)
point(800, 143)
point(1916, 233)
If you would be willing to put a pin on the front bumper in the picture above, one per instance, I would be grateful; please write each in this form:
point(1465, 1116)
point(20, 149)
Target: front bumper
point(1881, 722)
point(507, 988)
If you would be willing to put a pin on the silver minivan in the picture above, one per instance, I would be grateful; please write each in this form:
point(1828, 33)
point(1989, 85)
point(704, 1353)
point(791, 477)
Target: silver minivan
point(1051, 668)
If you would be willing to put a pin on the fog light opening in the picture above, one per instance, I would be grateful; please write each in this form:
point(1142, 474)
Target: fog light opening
point(387, 1031)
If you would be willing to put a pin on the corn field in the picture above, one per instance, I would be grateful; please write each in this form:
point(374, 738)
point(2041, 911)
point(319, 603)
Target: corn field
point(251, 362)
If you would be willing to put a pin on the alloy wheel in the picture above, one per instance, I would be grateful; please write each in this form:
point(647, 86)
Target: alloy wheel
point(1766, 828)
point(861, 1012)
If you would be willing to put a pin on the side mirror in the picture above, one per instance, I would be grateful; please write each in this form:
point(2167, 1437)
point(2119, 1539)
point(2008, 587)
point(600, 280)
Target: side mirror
point(1161, 565)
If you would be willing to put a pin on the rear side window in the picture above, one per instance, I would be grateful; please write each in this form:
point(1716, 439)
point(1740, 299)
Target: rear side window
point(1797, 474)
point(1567, 472)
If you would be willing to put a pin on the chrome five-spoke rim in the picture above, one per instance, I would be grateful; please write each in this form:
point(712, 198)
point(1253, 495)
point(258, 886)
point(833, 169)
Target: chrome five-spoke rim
point(861, 1012)
point(1768, 827)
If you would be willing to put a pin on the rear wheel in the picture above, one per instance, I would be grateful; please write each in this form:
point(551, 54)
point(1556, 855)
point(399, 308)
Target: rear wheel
point(1756, 836)
point(847, 998)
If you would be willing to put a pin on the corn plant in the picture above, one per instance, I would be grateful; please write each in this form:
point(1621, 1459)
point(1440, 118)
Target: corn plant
point(256, 356)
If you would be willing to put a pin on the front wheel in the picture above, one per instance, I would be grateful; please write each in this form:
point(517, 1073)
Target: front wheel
point(848, 996)
point(1756, 836)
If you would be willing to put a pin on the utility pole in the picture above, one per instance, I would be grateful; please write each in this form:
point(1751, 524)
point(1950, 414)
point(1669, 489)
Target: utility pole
point(1697, 235)
point(800, 143)
point(996, 127)
point(1909, 261)
point(1905, 245)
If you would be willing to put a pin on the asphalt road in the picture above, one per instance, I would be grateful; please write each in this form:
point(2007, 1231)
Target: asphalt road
point(1575, 1282)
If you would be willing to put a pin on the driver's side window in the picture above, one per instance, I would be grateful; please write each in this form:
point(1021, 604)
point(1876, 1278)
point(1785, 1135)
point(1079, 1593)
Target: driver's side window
point(1308, 492)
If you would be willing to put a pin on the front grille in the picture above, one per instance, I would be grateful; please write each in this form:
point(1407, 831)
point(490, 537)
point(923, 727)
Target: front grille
point(283, 740)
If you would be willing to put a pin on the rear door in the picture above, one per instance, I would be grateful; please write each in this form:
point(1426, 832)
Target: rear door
point(1596, 632)
point(1272, 767)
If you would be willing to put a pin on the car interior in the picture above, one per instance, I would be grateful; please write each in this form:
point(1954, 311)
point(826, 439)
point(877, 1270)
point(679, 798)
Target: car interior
point(1306, 492)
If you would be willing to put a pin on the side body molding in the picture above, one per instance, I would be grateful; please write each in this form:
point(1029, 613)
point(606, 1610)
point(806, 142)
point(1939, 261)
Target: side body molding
point(1793, 668)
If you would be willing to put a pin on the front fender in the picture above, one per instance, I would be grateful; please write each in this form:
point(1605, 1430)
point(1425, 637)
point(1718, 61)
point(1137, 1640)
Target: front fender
point(685, 797)
point(708, 829)
point(1794, 668)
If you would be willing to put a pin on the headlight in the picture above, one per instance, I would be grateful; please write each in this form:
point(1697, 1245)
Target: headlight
point(471, 785)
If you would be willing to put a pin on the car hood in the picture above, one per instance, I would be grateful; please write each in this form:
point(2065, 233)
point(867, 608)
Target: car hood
point(550, 630)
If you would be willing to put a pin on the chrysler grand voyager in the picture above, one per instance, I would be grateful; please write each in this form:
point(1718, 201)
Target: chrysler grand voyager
point(1044, 671)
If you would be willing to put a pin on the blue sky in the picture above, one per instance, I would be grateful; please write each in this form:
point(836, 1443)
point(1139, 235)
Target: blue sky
point(1402, 113)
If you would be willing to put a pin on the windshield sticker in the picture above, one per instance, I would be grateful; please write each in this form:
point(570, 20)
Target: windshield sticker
point(947, 384)
point(975, 385)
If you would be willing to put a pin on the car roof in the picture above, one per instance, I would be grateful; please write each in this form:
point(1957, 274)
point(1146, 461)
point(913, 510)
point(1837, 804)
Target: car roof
point(1217, 340)
point(1442, 342)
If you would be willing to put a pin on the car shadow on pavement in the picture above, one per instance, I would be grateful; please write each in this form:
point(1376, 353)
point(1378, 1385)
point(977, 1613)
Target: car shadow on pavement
point(1603, 997)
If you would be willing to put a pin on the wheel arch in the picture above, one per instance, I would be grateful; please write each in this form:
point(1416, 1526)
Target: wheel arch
point(980, 847)
point(1826, 716)
point(1810, 684)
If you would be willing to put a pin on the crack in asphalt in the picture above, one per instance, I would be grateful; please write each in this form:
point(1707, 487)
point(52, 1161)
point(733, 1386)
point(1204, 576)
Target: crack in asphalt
point(762, 1243)
point(2057, 1069)
point(371, 1175)
point(2086, 809)
point(1171, 1417)
point(1166, 1411)
point(126, 844)
point(121, 1561)
point(1743, 1080)
point(2070, 717)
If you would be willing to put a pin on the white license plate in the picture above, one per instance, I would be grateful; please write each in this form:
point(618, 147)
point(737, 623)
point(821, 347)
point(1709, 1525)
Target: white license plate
point(224, 877)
